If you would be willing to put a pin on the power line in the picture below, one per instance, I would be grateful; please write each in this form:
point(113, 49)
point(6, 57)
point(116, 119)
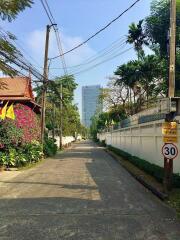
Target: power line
point(57, 34)
point(102, 29)
point(59, 45)
point(18, 60)
point(60, 50)
point(47, 13)
point(101, 57)
point(105, 54)
point(94, 66)
point(19, 46)
point(112, 47)
point(110, 51)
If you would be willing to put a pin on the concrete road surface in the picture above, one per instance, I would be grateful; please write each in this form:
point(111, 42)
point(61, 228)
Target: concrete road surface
point(82, 194)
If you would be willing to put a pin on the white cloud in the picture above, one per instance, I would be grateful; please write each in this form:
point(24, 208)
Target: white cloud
point(36, 45)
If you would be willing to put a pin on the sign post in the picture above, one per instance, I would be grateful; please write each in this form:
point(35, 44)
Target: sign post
point(168, 173)
point(169, 151)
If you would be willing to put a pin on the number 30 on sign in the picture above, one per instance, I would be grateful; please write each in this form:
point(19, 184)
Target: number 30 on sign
point(169, 151)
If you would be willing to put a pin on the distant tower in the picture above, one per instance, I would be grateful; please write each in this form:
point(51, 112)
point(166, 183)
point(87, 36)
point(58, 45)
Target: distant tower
point(90, 103)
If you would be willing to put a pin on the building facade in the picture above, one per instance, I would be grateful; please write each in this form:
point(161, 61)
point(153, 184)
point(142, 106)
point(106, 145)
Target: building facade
point(90, 103)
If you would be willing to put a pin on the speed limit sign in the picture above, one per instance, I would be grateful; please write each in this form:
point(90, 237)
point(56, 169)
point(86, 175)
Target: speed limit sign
point(170, 151)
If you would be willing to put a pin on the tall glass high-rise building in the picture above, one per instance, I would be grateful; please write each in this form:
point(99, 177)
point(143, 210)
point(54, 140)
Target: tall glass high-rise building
point(90, 103)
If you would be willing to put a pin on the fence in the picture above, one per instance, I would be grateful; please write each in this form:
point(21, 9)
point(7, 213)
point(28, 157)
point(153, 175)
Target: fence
point(65, 141)
point(143, 140)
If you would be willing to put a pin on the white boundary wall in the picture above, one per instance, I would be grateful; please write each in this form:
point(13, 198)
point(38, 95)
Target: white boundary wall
point(65, 140)
point(142, 140)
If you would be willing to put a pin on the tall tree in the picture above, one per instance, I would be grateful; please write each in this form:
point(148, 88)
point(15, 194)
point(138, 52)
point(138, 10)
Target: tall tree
point(129, 75)
point(137, 37)
point(70, 115)
point(150, 72)
point(9, 11)
point(157, 31)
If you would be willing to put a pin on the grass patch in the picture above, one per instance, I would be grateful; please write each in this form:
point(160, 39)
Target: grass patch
point(152, 169)
point(31, 165)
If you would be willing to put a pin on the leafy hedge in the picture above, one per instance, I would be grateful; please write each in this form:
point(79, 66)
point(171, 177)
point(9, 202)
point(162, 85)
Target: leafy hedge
point(50, 147)
point(150, 168)
point(16, 157)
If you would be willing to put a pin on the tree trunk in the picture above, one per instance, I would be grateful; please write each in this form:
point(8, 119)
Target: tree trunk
point(147, 97)
point(53, 123)
point(131, 104)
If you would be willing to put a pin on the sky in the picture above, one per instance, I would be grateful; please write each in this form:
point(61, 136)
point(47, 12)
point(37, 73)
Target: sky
point(77, 20)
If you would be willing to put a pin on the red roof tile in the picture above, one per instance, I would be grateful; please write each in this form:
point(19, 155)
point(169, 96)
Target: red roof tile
point(16, 88)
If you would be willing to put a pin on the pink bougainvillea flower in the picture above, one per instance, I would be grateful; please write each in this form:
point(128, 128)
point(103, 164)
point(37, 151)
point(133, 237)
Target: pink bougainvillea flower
point(28, 121)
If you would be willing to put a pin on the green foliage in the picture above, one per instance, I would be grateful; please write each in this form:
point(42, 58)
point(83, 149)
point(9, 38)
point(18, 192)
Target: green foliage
point(152, 32)
point(10, 134)
point(144, 77)
point(137, 37)
point(103, 143)
point(8, 53)
point(106, 120)
point(157, 27)
point(157, 24)
point(8, 158)
point(152, 169)
point(33, 151)
point(10, 9)
point(70, 118)
point(16, 157)
point(50, 147)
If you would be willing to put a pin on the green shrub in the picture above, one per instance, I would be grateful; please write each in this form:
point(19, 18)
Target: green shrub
point(16, 157)
point(10, 134)
point(8, 157)
point(50, 147)
point(103, 142)
point(156, 171)
point(33, 151)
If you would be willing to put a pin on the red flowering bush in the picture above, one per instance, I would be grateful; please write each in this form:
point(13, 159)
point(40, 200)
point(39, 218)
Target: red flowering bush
point(28, 121)
point(19, 143)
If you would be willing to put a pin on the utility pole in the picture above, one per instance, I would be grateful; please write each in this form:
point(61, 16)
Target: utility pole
point(61, 112)
point(168, 163)
point(172, 51)
point(45, 80)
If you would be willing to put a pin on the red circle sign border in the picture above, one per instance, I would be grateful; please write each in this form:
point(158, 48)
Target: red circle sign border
point(174, 146)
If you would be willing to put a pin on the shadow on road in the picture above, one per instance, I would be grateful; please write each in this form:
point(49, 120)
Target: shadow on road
point(82, 194)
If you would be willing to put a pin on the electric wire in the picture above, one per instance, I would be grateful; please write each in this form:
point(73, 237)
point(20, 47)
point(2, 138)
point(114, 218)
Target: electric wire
point(106, 60)
point(99, 31)
point(19, 46)
point(110, 51)
point(47, 13)
point(50, 12)
point(19, 61)
point(120, 42)
point(57, 34)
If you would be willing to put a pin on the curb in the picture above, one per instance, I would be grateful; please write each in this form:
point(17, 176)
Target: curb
point(154, 190)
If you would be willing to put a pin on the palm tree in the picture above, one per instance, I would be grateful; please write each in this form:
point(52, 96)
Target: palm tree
point(150, 71)
point(137, 37)
point(128, 74)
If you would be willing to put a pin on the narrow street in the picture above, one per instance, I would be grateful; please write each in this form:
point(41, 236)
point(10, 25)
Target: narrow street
point(82, 194)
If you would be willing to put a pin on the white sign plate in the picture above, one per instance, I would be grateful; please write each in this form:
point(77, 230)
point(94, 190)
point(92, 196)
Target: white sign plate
point(169, 151)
